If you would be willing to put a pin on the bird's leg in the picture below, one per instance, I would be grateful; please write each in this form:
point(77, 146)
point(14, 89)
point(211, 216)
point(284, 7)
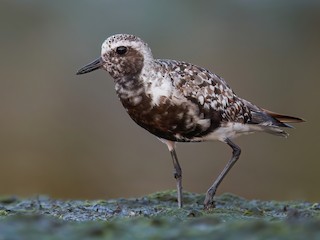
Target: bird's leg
point(236, 151)
point(177, 175)
point(177, 169)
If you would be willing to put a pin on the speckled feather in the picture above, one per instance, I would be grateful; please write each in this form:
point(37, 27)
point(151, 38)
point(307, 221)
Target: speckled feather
point(179, 101)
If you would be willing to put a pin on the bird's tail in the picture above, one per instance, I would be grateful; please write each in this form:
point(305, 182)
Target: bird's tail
point(283, 120)
point(270, 122)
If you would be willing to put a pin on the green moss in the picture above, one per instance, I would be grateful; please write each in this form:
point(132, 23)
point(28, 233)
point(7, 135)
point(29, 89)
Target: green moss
point(3, 213)
point(6, 199)
point(156, 216)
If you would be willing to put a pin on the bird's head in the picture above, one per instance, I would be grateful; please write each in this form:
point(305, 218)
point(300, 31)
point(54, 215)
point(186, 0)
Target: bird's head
point(121, 55)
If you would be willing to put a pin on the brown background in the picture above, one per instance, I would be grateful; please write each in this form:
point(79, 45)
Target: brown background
point(68, 136)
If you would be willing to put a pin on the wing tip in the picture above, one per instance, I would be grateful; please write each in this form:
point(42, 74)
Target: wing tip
point(284, 119)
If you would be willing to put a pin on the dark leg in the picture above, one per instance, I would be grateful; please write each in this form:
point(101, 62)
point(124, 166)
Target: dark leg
point(236, 151)
point(177, 175)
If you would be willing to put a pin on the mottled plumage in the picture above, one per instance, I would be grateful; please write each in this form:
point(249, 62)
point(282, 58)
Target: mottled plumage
point(181, 102)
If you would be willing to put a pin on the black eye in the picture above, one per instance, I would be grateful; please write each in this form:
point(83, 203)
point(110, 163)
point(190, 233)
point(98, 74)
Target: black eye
point(121, 50)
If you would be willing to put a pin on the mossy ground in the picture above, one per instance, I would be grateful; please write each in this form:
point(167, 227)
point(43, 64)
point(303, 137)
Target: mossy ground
point(156, 216)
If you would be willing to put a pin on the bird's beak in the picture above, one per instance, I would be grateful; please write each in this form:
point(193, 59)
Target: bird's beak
point(96, 64)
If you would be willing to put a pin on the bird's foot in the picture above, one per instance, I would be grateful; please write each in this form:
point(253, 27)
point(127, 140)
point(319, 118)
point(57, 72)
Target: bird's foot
point(208, 201)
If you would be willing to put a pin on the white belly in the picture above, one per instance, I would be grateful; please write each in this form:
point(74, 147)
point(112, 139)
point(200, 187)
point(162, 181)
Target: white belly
point(231, 130)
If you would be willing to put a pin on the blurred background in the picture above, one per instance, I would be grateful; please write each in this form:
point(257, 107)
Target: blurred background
point(68, 136)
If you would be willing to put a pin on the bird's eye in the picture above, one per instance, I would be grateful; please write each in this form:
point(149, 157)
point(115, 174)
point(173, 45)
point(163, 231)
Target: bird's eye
point(121, 50)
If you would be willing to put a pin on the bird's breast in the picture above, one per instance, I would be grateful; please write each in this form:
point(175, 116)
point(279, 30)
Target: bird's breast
point(166, 116)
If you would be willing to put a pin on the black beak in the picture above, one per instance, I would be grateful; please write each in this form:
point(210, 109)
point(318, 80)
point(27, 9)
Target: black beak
point(96, 64)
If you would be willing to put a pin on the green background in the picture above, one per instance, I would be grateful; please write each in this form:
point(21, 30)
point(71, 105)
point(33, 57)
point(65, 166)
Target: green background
point(69, 137)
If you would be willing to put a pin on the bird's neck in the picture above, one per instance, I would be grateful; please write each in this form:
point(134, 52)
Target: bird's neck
point(137, 90)
point(128, 84)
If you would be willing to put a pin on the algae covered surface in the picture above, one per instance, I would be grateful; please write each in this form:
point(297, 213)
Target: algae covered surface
point(156, 216)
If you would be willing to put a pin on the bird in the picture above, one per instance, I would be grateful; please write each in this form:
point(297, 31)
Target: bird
point(181, 102)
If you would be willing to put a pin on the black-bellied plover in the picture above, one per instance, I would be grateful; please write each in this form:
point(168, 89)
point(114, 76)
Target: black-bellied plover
point(181, 102)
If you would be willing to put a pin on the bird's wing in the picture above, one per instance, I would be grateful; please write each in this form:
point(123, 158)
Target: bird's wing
point(209, 91)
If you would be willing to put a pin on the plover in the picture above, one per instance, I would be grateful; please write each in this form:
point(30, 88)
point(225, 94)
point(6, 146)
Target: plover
point(180, 102)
